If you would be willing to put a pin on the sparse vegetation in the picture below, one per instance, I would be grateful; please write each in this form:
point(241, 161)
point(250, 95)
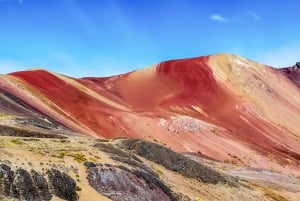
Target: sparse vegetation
point(20, 132)
point(175, 161)
point(159, 172)
point(128, 156)
point(59, 155)
point(31, 139)
point(79, 157)
point(93, 159)
point(16, 142)
point(64, 141)
point(101, 140)
point(6, 116)
point(273, 195)
point(227, 186)
point(78, 188)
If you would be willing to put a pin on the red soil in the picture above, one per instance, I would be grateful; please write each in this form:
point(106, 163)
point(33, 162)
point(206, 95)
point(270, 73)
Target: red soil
point(99, 86)
point(87, 110)
point(198, 86)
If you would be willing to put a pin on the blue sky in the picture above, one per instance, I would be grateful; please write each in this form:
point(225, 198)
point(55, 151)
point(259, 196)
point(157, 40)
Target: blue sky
point(106, 37)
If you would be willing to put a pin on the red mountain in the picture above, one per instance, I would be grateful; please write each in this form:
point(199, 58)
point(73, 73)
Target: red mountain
point(223, 106)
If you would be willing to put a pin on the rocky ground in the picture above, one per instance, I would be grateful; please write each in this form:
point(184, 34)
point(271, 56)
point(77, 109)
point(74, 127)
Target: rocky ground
point(39, 163)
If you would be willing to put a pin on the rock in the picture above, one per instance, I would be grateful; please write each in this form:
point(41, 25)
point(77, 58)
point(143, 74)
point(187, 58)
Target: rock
point(23, 187)
point(41, 185)
point(174, 161)
point(6, 179)
point(119, 184)
point(62, 185)
point(89, 164)
point(293, 73)
point(152, 180)
point(33, 186)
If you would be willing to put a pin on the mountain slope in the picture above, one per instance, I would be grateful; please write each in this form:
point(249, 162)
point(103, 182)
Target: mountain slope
point(222, 107)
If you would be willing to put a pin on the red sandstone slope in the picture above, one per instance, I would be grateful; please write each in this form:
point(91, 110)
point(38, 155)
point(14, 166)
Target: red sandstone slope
point(223, 106)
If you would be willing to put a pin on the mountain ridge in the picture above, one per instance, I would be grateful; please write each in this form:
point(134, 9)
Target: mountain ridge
point(217, 105)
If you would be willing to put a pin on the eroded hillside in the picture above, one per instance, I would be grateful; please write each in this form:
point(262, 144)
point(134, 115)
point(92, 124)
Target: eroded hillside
point(232, 125)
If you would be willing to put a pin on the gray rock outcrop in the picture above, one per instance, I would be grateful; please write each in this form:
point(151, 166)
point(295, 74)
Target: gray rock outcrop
point(33, 186)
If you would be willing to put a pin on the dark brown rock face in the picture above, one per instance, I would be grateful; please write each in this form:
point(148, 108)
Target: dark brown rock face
point(23, 187)
point(33, 186)
point(173, 161)
point(134, 166)
point(118, 184)
point(41, 185)
point(62, 185)
point(6, 179)
point(293, 73)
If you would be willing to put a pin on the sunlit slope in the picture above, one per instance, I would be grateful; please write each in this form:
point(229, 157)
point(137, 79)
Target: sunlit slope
point(221, 106)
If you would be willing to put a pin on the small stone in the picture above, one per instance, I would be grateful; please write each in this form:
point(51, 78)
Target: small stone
point(89, 164)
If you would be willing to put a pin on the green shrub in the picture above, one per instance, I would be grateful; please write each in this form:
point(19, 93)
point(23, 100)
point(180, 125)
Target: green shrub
point(79, 157)
point(78, 188)
point(159, 172)
point(59, 155)
point(16, 142)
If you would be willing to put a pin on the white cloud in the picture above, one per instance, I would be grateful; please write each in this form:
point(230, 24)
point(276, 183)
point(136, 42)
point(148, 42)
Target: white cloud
point(96, 66)
point(58, 62)
point(281, 57)
point(15, 1)
point(254, 15)
point(219, 18)
point(8, 66)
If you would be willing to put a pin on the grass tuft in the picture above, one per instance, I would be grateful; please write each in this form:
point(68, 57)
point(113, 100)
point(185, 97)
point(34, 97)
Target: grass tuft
point(78, 188)
point(159, 172)
point(79, 157)
point(16, 142)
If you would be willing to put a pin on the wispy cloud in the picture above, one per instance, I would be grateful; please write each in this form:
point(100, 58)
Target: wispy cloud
point(218, 18)
point(12, 1)
point(254, 15)
point(96, 66)
point(8, 66)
